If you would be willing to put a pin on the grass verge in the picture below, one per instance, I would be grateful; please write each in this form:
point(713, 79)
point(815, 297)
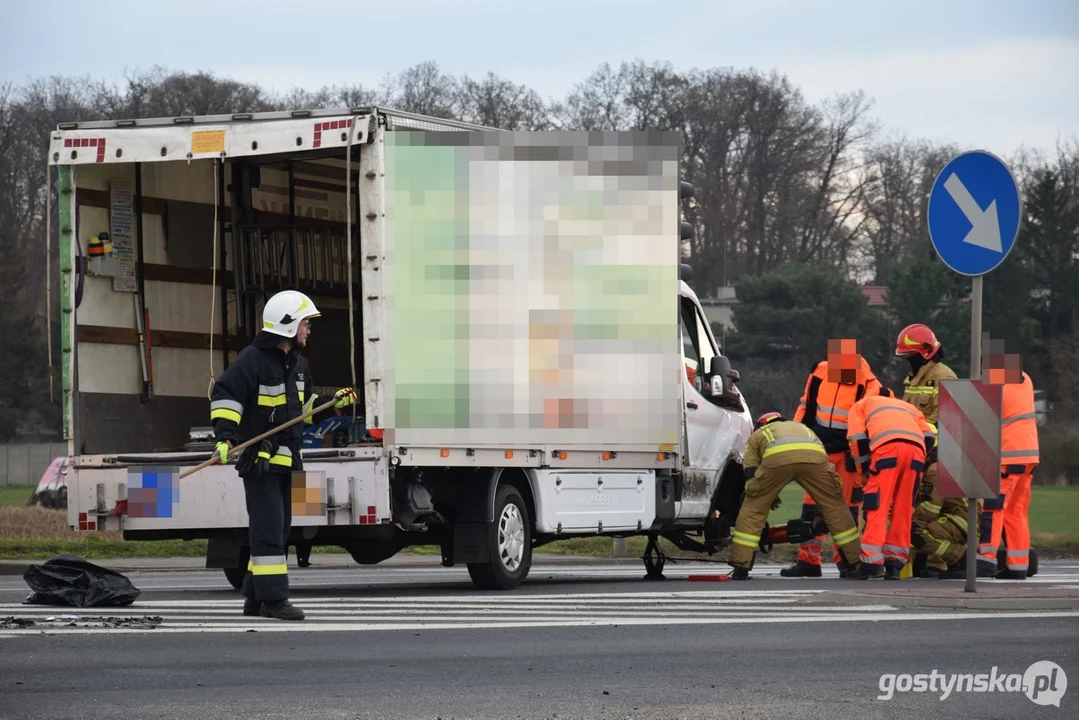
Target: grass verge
point(15, 495)
point(34, 533)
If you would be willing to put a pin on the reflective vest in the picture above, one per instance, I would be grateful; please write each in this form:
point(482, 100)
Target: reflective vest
point(922, 390)
point(877, 420)
point(825, 405)
point(783, 443)
point(1019, 428)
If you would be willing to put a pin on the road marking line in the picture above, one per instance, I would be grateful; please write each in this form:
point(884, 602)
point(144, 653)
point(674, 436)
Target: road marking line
point(565, 622)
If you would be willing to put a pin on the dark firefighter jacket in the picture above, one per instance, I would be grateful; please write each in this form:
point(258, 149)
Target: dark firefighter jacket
point(263, 388)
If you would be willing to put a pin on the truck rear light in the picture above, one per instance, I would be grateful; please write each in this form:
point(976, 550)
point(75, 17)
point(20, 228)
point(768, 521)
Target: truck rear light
point(445, 452)
point(85, 523)
point(509, 454)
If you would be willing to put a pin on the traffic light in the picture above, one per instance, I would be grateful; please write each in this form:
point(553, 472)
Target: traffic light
point(685, 192)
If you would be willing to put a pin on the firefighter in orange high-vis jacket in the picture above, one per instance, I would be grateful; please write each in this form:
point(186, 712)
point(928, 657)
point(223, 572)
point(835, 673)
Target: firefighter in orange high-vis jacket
point(831, 390)
point(888, 438)
point(1019, 456)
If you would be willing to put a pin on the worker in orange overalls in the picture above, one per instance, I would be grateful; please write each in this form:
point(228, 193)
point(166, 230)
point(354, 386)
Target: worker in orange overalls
point(888, 439)
point(831, 390)
point(1019, 458)
point(919, 346)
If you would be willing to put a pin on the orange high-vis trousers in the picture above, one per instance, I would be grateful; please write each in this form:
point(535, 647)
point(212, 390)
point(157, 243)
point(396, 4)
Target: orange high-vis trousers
point(1007, 513)
point(810, 552)
point(894, 473)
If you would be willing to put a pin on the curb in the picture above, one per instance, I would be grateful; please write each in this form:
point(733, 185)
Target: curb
point(955, 597)
point(328, 561)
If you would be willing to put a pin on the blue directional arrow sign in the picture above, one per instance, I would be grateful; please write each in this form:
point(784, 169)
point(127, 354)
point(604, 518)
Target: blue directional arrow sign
point(974, 213)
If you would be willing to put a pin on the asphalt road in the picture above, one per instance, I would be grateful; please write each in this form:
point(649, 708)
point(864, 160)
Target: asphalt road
point(588, 642)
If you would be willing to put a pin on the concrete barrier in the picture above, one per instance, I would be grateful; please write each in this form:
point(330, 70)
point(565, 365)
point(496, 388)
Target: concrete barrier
point(24, 463)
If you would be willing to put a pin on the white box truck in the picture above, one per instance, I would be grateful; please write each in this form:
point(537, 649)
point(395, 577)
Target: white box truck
point(510, 306)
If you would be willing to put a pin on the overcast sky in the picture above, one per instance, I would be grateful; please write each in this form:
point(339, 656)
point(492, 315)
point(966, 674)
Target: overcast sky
point(986, 73)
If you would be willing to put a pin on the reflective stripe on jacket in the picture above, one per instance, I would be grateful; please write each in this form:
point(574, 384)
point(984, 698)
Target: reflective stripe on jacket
point(263, 388)
point(1019, 427)
point(783, 443)
point(878, 420)
point(923, 389)
point(825, 405)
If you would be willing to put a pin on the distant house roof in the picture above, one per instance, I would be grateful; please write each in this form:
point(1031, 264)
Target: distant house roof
point(877, 295)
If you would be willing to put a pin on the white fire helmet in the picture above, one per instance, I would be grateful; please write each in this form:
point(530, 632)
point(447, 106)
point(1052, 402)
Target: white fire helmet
point(285, 311)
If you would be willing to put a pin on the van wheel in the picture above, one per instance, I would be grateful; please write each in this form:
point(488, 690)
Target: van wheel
point(510, 540)
point(235, 576)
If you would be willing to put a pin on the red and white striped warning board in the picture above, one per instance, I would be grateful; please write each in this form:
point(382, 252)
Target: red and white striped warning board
point(968, 436)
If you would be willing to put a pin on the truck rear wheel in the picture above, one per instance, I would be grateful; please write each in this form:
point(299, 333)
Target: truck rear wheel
point(235, 575)
point(510, 540)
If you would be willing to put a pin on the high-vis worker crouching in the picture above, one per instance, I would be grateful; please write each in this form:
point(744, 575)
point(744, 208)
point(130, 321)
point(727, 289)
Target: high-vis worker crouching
point(778, 453)
point(888, 439)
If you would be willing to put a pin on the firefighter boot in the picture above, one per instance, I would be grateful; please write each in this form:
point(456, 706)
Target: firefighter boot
point(801, 569)
point(283, 610)
point(929, 573)
point(1012, 575)
point(892, 572)
point(252, 608)
point(740, 573)
point(862, 571)
point(985, 569)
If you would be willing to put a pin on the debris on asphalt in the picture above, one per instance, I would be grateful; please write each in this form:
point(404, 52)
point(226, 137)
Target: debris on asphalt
point(85, 621)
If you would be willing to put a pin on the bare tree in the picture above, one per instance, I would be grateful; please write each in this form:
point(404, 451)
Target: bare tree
point(497, 102)
point(423, 89)
point(900, 175)
point(329, 96)
point(834, 214)
point(598, 103)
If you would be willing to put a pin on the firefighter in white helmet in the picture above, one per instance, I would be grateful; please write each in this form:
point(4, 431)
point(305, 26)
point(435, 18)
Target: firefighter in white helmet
point(269, 384)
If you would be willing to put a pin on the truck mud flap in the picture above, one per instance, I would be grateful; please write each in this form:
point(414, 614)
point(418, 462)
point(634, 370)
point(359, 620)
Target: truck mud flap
point(665, 498)
point(475, 513)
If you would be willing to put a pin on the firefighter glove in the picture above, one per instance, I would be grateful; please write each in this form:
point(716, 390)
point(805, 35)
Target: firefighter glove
point(776, 503)
point(925, 490)
point(222, 451)
point(256, 461)
point(262, 459)
point(345, 397)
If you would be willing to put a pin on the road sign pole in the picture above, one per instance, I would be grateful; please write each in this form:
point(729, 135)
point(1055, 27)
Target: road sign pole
point(973, 213)
point(973, 516)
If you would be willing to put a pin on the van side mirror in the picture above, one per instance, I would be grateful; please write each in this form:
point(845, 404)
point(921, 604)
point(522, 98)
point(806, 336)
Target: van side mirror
point(719, 365)
point(722, 379)
point(718, 368)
